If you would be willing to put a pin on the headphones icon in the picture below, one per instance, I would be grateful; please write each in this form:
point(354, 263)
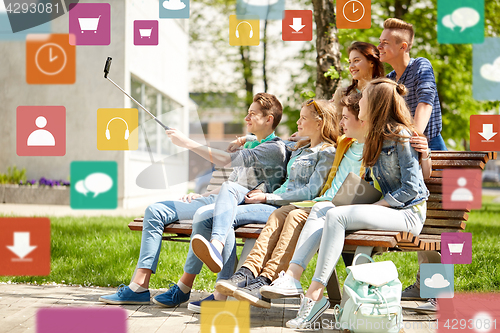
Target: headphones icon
point(236, 328)
point(251, 29)
point(108, 135)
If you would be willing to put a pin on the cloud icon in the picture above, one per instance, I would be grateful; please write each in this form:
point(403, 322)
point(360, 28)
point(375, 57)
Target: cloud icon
point(174, 4)
point(491, 72)
point(464, 17)
point(436, 281)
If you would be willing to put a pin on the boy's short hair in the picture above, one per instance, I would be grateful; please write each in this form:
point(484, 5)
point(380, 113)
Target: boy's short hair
point(270, 105)
point(403, 31)
point(351, 102)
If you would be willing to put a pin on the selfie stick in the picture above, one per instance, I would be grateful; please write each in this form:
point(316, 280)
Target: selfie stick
point(106, 72)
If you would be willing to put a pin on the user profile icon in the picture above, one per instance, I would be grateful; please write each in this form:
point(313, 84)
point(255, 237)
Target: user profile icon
point(41, 131)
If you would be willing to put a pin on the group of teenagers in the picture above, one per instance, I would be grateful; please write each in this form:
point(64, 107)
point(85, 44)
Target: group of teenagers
point(381, 128)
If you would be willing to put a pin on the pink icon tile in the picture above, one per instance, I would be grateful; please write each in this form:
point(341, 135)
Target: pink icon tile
point(462, 189)
point(469, 312)
point(456, 248)
point(90, 24)
point(145, 32)
point(41, 130)
point(81, 320)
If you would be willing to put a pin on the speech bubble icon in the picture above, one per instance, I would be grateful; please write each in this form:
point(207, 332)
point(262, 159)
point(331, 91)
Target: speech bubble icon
point(465, 17)
point(80, 187)
point(447, 22)
point(98, 182)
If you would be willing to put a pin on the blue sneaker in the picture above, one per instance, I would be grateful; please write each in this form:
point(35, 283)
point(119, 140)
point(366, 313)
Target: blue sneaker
point(206, 252)
point(125, 295)
point(172, 297)
point(196, 306)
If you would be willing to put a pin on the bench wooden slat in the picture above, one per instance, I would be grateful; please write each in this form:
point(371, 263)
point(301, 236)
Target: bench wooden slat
point(370, 240)
point(452, 224)
point(458, 164)
point(437, 231)
point(461, 155)
point(448, 215)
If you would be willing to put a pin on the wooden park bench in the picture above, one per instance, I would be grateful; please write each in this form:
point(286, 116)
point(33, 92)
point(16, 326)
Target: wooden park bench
point(369, 242)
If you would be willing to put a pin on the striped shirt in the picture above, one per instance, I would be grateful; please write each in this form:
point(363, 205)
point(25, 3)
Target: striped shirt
point(418, 78)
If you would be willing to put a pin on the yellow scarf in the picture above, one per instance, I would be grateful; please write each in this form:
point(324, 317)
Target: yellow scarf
point(342, 146)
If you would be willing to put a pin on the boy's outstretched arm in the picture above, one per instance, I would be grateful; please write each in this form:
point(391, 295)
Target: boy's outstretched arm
point(215, 156)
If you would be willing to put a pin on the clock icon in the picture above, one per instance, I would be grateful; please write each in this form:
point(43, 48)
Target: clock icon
point(50, 59)
point(353, 11)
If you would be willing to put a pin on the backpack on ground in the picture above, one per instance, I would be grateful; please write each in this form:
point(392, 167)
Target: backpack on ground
point(374, 303)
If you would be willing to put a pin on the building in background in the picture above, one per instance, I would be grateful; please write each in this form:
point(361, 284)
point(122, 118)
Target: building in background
point(215, 119)
point(155, 75)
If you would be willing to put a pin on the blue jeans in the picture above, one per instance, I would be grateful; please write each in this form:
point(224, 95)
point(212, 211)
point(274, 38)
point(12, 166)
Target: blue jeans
point(203, 225)
point(156, 217)
point(218, 222)
point(437, 143)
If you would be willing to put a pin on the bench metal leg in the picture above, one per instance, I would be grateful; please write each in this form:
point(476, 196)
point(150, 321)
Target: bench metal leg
point(249, 243)
point(333, 289)
point(360, 249)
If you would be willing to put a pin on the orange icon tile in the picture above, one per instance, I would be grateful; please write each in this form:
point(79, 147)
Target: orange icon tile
point(354, 14)
point(50, 59)
point(25, 246)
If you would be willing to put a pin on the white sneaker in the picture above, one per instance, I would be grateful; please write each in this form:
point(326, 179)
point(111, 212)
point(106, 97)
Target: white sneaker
point(309, 312)
point(284, 286)
point(429, 307)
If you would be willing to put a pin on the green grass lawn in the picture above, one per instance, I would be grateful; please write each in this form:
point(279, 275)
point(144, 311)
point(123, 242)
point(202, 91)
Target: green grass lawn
point(102, 251)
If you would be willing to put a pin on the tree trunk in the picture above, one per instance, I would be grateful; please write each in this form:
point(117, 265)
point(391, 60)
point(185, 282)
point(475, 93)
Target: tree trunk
point(327, 48)
point(247, 74)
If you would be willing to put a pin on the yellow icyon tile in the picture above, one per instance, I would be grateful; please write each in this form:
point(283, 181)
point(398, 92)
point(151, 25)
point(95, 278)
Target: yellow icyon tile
point(117, 129)
point(243, 31)
point(229, 316)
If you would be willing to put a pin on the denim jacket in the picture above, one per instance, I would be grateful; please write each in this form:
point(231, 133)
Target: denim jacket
point(307, 175)
point(399, 174)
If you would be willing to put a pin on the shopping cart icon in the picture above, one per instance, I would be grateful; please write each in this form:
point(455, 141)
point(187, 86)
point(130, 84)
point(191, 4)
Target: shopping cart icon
point(456, 248)
point(89, 23)
point(145, 32)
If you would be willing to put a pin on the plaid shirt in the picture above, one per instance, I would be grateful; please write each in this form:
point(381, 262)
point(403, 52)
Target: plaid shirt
point(418, 78)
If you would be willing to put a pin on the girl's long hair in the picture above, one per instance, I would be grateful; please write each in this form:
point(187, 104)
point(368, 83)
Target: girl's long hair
point(372, 54)
point(387, 115)
point(330, 127)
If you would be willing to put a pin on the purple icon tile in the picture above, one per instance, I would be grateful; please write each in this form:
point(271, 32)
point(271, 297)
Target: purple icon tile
point(145, 32)
point(81, 320)
point(456, 248)
point(90, 24)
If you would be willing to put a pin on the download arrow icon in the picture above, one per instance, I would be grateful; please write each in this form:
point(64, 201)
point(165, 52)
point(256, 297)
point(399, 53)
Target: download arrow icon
point(487, 132)
point(297, 24)
point(21, 245)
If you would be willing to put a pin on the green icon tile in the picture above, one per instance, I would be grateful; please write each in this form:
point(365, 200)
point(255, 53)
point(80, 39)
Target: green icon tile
point(460, 21)
point(94, 185)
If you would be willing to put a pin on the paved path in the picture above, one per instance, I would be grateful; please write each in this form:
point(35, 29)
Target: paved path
point(19, 303)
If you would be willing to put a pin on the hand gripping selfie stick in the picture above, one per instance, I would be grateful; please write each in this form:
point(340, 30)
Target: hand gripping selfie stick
point(106, 72)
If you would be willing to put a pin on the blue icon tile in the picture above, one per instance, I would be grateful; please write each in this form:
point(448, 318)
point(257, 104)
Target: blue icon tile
point(264, 9)
point(174, 8)
point(436, 281)
point(486, 70)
